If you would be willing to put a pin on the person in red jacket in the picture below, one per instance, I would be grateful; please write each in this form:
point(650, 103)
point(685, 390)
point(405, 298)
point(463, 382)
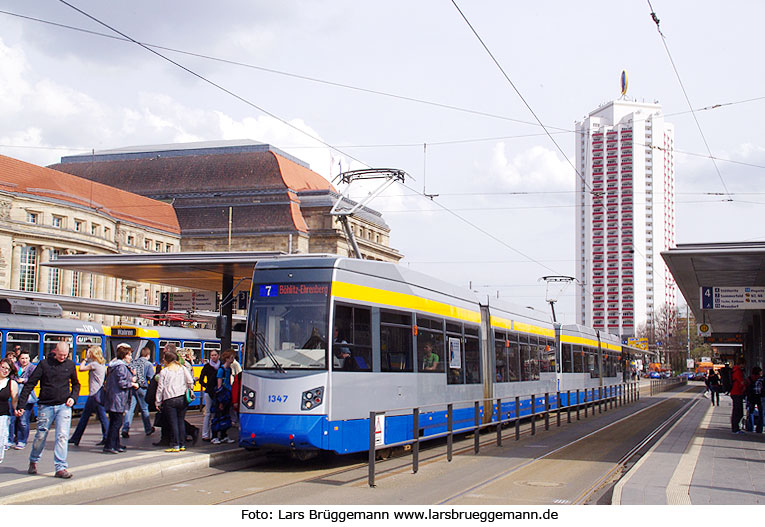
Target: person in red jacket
point(737, 393)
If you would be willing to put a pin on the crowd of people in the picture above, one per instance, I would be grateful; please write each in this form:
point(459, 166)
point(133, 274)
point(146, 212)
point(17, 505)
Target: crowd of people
point(115, 391)
point(745, 393)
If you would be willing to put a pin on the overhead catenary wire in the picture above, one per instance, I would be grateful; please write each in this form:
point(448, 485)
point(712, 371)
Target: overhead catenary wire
point(685, 94)
point(210, 82)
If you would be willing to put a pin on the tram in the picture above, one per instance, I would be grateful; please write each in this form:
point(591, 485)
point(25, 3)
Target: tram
point(38, 335)
point(330, 339)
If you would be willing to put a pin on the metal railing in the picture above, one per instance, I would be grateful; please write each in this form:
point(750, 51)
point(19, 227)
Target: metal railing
point(662, 385)
point(589, 398)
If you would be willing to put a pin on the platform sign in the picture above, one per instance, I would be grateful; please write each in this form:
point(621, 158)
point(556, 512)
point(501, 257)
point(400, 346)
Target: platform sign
point(732, 297)
point(379, 430)
point(689, 363)
point(189, 301)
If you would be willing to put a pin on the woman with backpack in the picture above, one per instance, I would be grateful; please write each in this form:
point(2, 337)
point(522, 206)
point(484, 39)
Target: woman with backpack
point(222, 417)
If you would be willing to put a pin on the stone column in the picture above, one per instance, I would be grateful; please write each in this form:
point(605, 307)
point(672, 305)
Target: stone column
point(43, 273)
point(16, 265)
point(65, 277)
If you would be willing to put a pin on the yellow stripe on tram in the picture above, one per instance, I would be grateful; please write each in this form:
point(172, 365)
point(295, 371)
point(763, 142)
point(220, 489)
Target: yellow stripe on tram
point(366, 294)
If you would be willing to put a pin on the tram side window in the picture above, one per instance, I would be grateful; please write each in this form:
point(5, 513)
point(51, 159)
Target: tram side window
point(568, 366)
point(430, 345)
point(579, 358)
point(529, 358)
point(83, 343)
point(51, 340)
point(500, 357)
point(196, 349)
point(395, 342)
point(546, 355)
point(163, 343)
point(472, 356)
point(29, 342)
point(210, 346)
point(352, 339)
point(592, 363)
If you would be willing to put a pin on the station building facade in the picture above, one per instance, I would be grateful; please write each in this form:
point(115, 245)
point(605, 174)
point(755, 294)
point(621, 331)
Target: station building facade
point(238, 196)
point(45, 213)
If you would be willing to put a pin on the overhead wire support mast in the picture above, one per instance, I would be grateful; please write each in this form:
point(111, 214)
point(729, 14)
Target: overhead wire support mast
point(389, 175)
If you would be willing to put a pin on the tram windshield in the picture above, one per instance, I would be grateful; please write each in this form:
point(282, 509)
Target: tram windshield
point(287, 327)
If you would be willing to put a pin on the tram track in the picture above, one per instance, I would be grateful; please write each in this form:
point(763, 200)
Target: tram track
point(266, 479)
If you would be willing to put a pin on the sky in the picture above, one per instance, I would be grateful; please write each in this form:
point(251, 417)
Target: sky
point(408, 85)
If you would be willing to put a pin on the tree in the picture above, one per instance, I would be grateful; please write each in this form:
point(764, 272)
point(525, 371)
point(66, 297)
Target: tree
point(667, 333)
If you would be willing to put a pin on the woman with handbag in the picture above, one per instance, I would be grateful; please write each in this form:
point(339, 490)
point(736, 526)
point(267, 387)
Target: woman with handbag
point(115, 396)
point(175, 382)
point(95, 365)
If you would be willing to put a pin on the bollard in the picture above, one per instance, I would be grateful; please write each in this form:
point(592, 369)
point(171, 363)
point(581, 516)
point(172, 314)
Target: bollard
point(559, 408)
point(585, 403)
point(533, 415)
point(476, 423)
point(450, 437)
point(568, 405)
point(499, 422)
point(547, 411)
point(600, 400)
point(416, 437)
point(517, 418)
point(577, 404)
point(371, 477)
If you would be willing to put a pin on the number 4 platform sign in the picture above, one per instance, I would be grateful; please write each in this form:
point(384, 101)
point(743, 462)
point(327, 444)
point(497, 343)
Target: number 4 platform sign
point(733, 298)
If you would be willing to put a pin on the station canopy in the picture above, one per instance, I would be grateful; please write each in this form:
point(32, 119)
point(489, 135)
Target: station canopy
point(200, 271)
point(717, 265)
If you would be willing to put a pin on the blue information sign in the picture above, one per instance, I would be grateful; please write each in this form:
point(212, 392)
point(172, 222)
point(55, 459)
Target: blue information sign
point(707, 298)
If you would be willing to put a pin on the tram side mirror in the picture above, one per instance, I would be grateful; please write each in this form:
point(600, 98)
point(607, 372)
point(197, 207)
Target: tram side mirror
point(222, 326)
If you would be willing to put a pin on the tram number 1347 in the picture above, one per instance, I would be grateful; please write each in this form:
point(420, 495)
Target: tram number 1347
point(277, 398)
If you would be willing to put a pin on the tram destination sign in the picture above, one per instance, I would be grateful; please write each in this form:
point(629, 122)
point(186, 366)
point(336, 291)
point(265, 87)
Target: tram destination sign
point(189, 301)
point(732, 297)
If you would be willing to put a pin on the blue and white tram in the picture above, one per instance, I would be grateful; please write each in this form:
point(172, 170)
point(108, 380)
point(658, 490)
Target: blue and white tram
point(330, 339)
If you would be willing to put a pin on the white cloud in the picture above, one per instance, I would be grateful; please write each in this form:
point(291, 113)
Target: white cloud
point(537, 168)
point(13, 86)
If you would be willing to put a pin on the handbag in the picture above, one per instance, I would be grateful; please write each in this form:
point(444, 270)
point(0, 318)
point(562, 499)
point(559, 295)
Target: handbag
point(190, 395)
point(99, 396)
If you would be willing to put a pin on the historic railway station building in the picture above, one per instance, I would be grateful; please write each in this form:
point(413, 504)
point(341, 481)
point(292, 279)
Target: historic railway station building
point(239, 196)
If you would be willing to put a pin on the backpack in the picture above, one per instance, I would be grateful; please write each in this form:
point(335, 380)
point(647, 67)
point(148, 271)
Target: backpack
point(727, 379)
point(139, 366)
point(754, 389)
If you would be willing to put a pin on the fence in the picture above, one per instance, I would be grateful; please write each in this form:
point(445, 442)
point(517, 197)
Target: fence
point(583, 400)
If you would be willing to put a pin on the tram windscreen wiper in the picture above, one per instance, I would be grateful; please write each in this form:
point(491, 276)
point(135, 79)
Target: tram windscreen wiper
point(267, 350)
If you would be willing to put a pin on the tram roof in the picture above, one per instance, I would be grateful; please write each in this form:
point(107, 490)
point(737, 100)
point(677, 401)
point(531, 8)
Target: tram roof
point(193, 270)
point(694, 265)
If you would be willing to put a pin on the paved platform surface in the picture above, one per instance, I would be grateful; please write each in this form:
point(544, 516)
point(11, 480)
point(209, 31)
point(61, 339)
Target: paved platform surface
point(699, 461)
point(92, 468)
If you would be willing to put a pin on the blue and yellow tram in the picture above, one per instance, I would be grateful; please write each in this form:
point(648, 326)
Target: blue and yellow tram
point(330, 339)
point(38, 335)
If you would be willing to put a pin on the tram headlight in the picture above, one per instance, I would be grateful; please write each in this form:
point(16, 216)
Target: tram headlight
point(248, 398)
point(312, 398)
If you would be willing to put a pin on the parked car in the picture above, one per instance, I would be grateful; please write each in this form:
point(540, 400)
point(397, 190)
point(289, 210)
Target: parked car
point(654, 375)
point(688, 375)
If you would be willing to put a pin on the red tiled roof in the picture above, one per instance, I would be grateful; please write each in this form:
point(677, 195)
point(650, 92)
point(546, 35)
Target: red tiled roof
point(26, 178)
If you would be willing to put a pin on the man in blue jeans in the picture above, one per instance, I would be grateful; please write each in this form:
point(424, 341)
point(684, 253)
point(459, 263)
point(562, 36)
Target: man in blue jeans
point(143, 369)
point(59, 389)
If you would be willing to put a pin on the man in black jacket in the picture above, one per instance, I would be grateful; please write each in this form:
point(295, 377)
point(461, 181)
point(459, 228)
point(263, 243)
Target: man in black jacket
point(59, 389)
